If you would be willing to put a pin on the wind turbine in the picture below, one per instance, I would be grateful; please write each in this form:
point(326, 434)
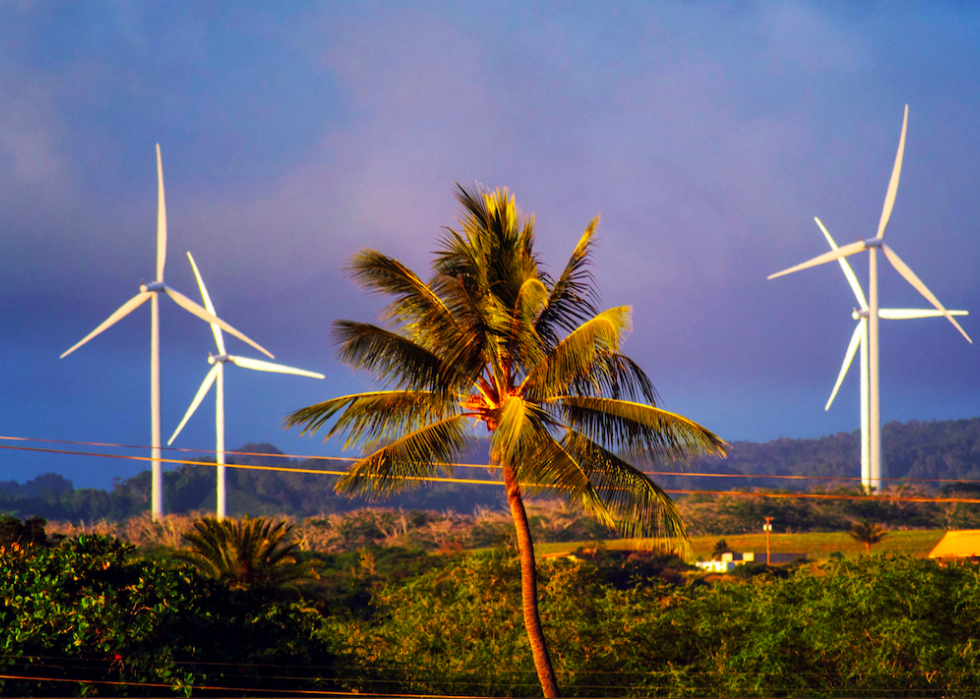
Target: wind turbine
point(151, 292)
point(872, 247)
point(859, 341)
point(217, 373)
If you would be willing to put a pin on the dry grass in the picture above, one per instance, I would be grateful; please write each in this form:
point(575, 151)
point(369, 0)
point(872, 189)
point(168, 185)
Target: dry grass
point(451, 531)
point(140, 530)
point(816, 545)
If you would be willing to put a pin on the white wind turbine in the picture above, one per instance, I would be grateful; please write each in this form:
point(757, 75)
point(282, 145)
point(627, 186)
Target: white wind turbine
point(217, 373)
point(859, 341)
point(874, 408)
point(151, 292)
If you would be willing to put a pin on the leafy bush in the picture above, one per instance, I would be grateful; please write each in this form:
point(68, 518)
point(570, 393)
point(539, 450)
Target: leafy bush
point(869, 626)
point(88, 612)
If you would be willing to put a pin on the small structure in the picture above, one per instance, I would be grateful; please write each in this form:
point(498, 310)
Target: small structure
point(958, 544)
point(716, 566)
point(729, 560)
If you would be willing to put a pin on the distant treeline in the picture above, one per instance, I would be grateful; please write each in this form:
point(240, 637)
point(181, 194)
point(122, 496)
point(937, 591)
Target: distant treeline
point(191, 488)
point(948, 449)
point(917, 450)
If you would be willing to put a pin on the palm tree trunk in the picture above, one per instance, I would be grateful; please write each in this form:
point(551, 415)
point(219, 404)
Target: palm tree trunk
point(529, 588)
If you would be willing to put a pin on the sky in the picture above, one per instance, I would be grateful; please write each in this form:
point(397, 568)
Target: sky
point(706, 135)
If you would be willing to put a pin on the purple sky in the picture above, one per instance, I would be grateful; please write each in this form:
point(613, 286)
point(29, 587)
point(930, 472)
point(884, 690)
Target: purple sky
point(707, 135)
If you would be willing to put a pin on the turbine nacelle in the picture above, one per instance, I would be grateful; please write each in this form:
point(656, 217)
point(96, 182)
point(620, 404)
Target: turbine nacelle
point(219, 358)
point(153, 287)
point(904, 313)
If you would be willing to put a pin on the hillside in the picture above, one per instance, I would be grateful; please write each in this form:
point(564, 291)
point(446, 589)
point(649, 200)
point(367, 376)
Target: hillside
point(947, 450)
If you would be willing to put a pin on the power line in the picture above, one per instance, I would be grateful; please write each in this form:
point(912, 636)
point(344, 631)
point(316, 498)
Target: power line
point(313, 692)
point(475, 481)
point(247, 467)
point(348, 459)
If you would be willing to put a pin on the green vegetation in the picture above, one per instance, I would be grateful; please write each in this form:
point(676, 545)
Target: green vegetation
point(867, 533)
point(493, 339)
point(245, 553)
point(819, 546)
point(92, 610)
point(948, 449)
point(401, 620)
point(865, 627)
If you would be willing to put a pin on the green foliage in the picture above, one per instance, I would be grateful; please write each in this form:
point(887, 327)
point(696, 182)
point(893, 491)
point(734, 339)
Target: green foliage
point(30, 532)
point(871, 626)
point(867, 533)
point(247, 552)
point(87, 610)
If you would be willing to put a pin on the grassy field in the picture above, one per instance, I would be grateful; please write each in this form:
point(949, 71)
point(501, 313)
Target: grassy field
point(816, 546)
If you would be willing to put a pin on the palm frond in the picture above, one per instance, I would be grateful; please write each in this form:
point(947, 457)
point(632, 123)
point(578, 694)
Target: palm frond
point(573, 298)
point(615, 375)
point(374, 417)
point(524, 346)
point(394, 359)
point(465, 302)
point(636, 429)
point(414, 302)
point(400, 464)
point(245, 552)
point(636, 505)
point(573, 359)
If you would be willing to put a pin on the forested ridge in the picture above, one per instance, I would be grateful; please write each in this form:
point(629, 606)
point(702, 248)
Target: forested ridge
point(914, 450)
point(948, 449)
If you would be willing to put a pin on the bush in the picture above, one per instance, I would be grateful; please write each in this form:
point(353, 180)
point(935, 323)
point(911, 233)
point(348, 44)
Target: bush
point(88, 612)
point(868, 626)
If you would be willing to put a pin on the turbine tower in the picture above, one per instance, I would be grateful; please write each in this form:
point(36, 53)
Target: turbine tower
point(217, 373)
point(152, 292)
point(872, 246)
point(859, 341)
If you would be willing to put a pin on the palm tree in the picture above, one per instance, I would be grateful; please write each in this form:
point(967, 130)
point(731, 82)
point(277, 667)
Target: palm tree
point(867, 533)
point(247, 552)
point(494, 340)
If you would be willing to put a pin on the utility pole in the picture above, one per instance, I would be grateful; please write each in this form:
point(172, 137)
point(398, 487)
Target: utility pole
point(767, 527)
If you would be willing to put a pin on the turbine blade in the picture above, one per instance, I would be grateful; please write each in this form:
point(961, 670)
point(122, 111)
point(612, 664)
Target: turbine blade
point(161, 220)
point(821, 259)
point(194, 308)
point(886, 211)
point(120, 313)
point(910, 277)
point(260, 365)
point(218, 337)
point(848, 358)
point(201, 392)
point(846, 266)
point(909, 313)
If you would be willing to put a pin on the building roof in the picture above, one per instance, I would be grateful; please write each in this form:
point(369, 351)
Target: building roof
point(959, 544)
